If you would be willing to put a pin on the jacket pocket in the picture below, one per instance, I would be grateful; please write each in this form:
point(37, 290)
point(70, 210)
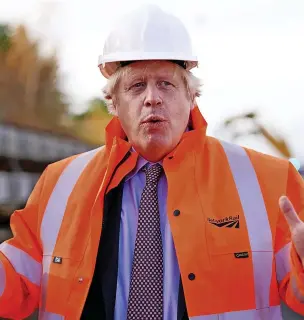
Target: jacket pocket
point(243, 276)
point(227, 235)
point(57, 278)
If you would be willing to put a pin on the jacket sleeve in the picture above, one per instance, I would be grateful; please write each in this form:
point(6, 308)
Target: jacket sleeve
point(20, 261)
point(290, 272)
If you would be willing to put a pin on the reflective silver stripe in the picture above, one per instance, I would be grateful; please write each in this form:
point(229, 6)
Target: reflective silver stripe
point(22, 262)
point(44, 315)
point(271, 313)
point(46, 262)
point(257, 222)
point(2, 278)
point(55, 210)
point(283, 266)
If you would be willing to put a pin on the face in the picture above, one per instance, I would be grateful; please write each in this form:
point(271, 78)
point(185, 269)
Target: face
point(153, 106)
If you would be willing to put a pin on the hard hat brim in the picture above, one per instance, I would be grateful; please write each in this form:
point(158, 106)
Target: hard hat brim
point(110, 63)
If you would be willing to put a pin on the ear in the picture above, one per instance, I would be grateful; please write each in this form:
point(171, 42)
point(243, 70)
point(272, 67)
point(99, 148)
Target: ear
point(112, 105)
point(114, 110)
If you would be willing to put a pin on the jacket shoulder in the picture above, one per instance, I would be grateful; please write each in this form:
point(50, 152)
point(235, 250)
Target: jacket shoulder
point(60, 165)
point(54, 170)
point(257, 158)
point(271, 163)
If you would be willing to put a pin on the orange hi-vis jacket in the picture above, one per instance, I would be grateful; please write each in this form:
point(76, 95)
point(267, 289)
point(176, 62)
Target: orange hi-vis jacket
point(230, 233)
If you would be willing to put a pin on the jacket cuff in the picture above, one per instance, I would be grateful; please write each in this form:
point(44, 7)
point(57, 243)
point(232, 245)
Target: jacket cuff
point(6, 280)
point(297, 275)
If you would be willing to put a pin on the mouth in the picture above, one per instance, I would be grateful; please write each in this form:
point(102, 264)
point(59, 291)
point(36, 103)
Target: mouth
point(154, 119)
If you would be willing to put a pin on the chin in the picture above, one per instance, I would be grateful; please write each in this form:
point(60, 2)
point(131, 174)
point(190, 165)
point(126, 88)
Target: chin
point(153, 146)
point(156, 150)
point(157, 142)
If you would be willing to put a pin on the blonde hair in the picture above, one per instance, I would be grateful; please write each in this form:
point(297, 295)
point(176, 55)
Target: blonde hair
point(192, 84)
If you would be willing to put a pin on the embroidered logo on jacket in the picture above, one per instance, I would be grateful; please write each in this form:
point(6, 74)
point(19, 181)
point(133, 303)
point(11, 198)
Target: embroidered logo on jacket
point(227, 222)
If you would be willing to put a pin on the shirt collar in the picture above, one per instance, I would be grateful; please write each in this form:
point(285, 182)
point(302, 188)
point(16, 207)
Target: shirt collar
point(141, 162)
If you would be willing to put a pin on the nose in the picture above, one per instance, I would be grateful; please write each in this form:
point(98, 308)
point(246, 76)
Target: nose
point(153, 98)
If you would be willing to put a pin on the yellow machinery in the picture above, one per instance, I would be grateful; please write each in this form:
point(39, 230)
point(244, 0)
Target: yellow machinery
point(277, 142)
point(257, 128)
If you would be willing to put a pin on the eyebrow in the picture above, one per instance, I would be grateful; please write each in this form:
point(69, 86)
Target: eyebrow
point(143, 76)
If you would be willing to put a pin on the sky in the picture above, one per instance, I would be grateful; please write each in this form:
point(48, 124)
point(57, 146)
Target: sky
point(251, 55)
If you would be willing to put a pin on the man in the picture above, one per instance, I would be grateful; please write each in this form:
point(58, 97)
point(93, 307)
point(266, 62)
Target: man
point(163, 222)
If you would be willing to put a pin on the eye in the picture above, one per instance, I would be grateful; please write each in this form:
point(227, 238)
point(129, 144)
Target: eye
point(165, 83)
point(139, 85)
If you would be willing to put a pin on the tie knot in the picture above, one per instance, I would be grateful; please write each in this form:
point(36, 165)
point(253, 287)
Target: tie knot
point(153, 173)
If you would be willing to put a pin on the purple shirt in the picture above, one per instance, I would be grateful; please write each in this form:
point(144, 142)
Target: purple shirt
point(133, 188)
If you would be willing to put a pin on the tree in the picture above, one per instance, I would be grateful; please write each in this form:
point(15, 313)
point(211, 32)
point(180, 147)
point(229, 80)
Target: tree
point(30, 93)
point(90, 125)
point(29, 89)
point(5, 40)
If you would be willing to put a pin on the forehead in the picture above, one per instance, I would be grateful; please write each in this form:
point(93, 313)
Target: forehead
point(151, 69)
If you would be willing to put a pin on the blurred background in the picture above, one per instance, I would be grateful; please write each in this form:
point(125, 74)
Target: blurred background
point(51, 106)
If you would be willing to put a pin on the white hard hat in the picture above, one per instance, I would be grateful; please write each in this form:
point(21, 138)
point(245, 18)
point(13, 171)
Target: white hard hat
point(147, 33)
